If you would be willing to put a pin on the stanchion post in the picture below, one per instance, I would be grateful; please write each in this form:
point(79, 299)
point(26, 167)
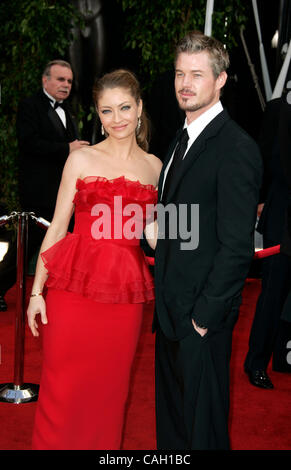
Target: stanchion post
point(19, 392)
point(20, 298)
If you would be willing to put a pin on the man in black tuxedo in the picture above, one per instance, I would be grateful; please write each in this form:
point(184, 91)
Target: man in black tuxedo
point(46, 135)
point(267, 328)
point(213, 167)
point(284, 131)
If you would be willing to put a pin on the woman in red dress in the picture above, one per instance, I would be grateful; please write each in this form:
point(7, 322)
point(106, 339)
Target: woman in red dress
point(97, 277)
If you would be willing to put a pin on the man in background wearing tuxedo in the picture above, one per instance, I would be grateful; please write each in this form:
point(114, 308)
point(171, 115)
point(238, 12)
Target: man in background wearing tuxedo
point(269, 332)
point(46, 135)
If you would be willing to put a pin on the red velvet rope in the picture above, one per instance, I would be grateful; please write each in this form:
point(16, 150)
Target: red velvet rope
point(273, 250)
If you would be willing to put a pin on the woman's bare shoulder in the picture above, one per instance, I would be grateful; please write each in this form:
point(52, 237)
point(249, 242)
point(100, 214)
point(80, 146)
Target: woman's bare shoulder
point(81, 153)
point(85, 154)
point(77, 160)
point(154, 161)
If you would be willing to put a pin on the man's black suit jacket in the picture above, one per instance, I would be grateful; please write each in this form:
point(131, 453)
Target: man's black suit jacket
point(221, 172)
point(274, 191)
point(284, 136)
point(43, 143)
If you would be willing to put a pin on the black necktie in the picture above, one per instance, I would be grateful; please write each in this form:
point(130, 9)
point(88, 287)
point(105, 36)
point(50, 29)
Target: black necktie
point(176, 161)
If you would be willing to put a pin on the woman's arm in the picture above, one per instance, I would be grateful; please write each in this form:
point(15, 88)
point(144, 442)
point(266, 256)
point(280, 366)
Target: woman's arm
point(151, 229)
point(56, 231)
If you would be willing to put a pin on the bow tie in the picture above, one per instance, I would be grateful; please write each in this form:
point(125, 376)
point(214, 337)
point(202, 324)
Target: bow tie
point(57, 104)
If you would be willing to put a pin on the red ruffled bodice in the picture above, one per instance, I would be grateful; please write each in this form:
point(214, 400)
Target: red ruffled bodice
point(102, 258)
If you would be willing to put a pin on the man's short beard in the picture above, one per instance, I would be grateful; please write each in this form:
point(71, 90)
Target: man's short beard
point(191, 109)
point(194, 107)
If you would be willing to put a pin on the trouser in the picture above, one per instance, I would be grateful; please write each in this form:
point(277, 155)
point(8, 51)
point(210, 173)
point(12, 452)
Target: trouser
point(264, 336)
point(192, 391)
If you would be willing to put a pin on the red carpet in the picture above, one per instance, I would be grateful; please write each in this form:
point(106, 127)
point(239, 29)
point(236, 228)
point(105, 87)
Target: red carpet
point(259, 419)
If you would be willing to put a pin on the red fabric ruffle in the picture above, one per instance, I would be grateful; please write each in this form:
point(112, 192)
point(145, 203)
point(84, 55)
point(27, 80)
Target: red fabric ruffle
point(95, 189)
point(104, 271)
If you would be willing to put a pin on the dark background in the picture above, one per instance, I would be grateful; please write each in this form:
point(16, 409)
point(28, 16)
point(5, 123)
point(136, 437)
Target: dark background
point(239, 96)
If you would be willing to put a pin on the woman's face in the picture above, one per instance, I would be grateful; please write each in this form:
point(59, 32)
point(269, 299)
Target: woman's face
point(118, 112)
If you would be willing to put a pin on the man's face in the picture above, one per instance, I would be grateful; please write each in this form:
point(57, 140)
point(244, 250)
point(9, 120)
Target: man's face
point(196, 87)
point(59, 83)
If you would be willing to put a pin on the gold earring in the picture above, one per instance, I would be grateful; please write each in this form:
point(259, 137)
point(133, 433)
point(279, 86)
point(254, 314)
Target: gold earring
point(138, 125)
point(102, 130)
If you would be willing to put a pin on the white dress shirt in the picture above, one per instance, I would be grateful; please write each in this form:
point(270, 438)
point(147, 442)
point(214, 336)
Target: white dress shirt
point(195, 128)
point(59, 110)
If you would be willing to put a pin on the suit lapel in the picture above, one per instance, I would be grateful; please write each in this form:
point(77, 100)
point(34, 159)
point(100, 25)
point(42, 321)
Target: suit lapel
point(57, 123)
point(53, 116)
point(196, 149)
point(166, 161)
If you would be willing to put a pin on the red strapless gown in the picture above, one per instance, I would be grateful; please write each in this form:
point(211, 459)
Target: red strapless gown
point(96, 291)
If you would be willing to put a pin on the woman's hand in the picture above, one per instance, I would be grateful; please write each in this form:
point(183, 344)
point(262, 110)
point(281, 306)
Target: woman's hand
point(36, 305)
point(260, 209)
point(151, 233)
